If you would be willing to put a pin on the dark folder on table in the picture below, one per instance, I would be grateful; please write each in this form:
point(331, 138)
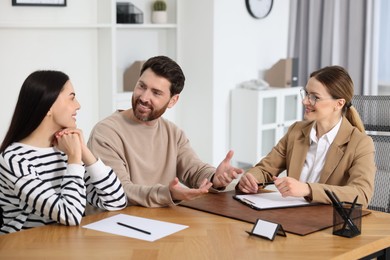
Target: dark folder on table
point(296, 220)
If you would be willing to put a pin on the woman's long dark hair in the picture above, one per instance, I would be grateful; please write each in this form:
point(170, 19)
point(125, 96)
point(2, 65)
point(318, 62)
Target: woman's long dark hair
point(38, 93)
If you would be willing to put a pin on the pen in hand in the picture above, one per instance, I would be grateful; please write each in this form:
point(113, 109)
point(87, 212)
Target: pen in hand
point(265, 183)
point(134, 228)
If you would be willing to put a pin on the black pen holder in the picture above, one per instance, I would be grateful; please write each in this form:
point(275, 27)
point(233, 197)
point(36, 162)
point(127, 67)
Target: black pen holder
point(348, 224)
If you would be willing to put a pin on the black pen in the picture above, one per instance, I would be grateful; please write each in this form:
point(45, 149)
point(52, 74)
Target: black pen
point(354, 202)
point(265, 183)
point(350, 211)
point(128, 226)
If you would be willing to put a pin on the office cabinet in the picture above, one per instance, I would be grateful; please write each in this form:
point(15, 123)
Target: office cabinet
point(259, 118)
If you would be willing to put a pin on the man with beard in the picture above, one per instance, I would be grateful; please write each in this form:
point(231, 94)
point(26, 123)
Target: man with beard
point(151, 156)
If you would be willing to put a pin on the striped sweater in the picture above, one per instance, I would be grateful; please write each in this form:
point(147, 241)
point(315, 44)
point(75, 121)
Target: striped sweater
point(38, 187)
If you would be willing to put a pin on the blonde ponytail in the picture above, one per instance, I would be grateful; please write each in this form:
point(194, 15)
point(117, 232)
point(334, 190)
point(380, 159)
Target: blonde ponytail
point(354, 118)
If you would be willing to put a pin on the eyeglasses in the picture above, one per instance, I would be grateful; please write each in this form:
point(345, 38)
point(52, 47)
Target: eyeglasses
point(311, 97)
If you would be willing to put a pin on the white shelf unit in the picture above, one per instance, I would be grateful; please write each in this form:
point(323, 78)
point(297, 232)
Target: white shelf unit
point(260, 118)
point(120, 45)
point(84, 33)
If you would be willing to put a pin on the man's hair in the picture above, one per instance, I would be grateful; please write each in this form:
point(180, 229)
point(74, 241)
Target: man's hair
point(167, 68)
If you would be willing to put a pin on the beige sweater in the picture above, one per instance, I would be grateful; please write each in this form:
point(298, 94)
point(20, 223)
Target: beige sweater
point(147, 158)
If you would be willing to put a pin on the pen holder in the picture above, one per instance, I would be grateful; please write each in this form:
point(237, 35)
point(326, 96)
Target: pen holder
point(348, 221)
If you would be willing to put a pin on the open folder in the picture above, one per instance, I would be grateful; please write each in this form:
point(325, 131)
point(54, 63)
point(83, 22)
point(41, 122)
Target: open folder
point(270, 200)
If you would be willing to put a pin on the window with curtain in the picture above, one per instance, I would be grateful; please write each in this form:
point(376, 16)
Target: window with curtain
point(334, 32)
point(384, 49)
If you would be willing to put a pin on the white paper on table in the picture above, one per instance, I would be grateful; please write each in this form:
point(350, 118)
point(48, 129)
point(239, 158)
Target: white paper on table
point(271, 200)
point(158, 229)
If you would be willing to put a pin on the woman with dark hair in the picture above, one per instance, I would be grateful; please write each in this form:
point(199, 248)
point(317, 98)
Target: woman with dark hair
point(47, 173)
point(329, 150)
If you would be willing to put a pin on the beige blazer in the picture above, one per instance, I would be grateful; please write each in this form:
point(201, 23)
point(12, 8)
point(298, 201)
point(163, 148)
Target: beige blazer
point(349, 168)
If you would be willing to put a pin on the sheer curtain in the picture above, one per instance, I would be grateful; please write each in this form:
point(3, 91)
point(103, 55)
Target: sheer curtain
point(384, 49)
point(334, 32)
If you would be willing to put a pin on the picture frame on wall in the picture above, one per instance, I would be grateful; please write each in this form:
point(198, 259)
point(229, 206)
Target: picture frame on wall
point(39, 3)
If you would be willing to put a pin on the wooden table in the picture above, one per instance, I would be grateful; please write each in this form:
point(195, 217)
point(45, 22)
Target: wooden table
point(209, 236)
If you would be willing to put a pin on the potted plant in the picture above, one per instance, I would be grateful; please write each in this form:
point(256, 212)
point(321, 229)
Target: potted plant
point(159, 14)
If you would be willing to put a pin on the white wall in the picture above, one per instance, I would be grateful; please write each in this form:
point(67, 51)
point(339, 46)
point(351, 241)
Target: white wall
point(194, 111)
point(220, 46)
point(24, 50)
point(224, 47)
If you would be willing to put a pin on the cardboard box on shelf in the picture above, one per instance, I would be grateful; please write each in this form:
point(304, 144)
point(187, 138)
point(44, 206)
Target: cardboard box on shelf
point(131, 75)
point(283, 73)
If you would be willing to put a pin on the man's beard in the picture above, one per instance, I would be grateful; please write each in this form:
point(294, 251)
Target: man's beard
point(152, 115)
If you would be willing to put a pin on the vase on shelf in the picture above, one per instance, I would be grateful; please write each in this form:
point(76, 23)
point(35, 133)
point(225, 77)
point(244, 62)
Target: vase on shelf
point(159, 12)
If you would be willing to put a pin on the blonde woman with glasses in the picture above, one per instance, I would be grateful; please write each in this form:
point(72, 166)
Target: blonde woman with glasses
point(328, 150)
